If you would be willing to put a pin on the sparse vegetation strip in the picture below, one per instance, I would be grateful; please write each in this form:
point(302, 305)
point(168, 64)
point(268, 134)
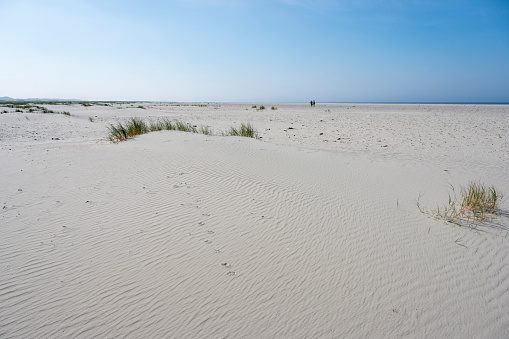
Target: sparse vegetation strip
point(135, 126)
point(30, 108)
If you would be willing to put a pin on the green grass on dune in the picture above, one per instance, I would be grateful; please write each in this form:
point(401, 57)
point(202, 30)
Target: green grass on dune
point(475, 203)
point(135, 126)
point(245, 130)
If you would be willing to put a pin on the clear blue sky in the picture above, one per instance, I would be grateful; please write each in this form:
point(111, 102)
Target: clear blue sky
point(256, 50)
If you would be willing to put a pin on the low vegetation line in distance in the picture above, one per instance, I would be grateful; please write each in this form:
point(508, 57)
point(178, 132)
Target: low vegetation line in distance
point(135, 126)
point(30, 108)
point(475, 203)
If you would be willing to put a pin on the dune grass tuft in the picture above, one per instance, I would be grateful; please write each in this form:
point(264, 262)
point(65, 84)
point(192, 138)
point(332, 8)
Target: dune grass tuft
point(476, 203)
point(118, 132)
point(135, 126)
point(132, 127)
point(205, 130)
point(245, 130)
point(163, 124)
point(184, 127)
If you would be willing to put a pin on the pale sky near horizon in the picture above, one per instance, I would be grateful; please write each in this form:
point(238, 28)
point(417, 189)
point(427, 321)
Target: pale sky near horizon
point(256, 51)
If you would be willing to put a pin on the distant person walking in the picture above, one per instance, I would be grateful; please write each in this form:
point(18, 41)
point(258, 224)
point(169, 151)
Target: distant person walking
point(313, 103)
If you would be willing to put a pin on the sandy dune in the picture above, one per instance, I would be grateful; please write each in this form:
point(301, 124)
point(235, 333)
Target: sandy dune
point(310, 232)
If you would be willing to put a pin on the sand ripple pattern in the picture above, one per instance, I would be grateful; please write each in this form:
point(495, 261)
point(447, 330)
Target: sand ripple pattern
point(189, 236)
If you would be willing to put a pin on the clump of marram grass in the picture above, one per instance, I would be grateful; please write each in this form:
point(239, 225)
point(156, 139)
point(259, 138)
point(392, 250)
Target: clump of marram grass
point(135, 126)
point(184, 127)
point(273, 108)
point(481, 200)
point(245, 130)
point(132, 127)
point(254, 106)
point(205, 130)
point(118, 132)
point(161, 125)
point(261, 108)
point(475, 203)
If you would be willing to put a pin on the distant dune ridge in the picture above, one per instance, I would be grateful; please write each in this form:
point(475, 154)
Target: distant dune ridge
point(309, 231)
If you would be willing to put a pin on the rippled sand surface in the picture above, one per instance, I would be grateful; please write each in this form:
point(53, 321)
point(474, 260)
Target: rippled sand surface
point(310, 232)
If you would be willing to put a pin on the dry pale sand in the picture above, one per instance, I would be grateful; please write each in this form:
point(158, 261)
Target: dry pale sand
point(310, 232)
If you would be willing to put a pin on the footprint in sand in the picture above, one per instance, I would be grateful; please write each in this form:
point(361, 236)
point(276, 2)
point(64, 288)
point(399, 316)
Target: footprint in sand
point(231, 273)
point(208, 242)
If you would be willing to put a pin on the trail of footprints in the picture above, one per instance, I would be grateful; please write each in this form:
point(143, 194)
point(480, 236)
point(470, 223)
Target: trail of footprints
point(226, 265)
point(216, 251)
point(196, 202)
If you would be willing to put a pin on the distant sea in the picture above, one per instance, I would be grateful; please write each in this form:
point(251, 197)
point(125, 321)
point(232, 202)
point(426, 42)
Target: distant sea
point(416, 103)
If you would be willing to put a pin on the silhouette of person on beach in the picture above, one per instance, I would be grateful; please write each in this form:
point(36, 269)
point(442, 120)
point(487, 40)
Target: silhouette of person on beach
point(313, 103)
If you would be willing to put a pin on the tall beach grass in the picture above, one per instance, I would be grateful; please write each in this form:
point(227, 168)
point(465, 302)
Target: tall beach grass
point(475, 202)
point(245, 130)
point(135, 126)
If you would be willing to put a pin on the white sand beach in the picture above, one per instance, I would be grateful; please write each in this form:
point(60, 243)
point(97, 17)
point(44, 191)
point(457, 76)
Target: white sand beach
point(311, 231)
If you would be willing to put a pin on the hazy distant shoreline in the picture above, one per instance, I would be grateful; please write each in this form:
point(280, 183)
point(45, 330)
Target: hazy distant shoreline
point(272, 102)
